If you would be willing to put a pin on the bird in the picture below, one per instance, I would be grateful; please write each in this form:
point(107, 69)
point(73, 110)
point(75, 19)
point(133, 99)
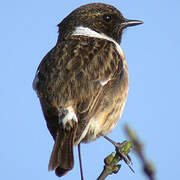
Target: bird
point(82, 83)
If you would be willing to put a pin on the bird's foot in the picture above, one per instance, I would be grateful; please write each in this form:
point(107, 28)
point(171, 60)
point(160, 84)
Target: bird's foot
point(111, 162)
point(122, 151)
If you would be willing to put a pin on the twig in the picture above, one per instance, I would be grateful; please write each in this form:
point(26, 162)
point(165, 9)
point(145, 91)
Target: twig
point(148, 168)
point(111, 166)
point(111, 162)
point(80, 162)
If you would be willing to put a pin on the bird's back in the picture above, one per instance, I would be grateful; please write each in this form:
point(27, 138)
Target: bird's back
point(87, 74)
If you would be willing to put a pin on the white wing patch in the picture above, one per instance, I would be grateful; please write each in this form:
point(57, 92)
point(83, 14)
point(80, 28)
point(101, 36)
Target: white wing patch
point(70, 116)
point(104, 82)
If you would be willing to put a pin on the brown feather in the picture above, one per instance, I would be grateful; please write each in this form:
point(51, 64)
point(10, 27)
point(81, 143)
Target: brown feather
point(72, 71)
point(62, 159)
point(82, 83)
point(70, 74)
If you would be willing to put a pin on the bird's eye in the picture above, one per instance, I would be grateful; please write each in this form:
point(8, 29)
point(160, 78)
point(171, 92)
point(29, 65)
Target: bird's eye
point(107, 18)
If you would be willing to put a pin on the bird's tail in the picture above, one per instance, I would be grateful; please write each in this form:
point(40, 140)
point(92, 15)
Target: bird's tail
point(62, 159)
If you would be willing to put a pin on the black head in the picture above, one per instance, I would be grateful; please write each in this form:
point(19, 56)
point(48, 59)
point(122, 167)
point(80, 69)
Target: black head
point(99, 17)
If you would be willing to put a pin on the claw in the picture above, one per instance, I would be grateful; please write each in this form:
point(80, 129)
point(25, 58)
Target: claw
point(123, 149)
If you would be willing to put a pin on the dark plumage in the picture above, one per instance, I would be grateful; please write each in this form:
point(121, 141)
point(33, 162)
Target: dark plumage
point(82, 83)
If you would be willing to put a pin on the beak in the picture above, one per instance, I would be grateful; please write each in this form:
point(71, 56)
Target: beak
point(130, 22)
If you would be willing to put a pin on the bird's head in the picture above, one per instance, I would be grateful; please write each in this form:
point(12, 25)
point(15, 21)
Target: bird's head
point(99, 17)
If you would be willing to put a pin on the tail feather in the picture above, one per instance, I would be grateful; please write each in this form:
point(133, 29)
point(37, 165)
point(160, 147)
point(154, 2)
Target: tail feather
point(62, 159)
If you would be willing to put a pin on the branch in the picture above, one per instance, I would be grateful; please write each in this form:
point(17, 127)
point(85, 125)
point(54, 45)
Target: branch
point(111, 162)
point(148, 168)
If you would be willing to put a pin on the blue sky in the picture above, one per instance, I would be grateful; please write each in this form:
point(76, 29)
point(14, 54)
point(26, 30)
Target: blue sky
point(28, 32)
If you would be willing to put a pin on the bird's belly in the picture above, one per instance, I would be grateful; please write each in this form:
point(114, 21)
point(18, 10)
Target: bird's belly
point(109, 110)
point(105, 119)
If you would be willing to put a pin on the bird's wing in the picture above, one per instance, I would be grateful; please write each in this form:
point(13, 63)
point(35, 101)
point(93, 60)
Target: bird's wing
point(94, 64)
point(77, 73)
